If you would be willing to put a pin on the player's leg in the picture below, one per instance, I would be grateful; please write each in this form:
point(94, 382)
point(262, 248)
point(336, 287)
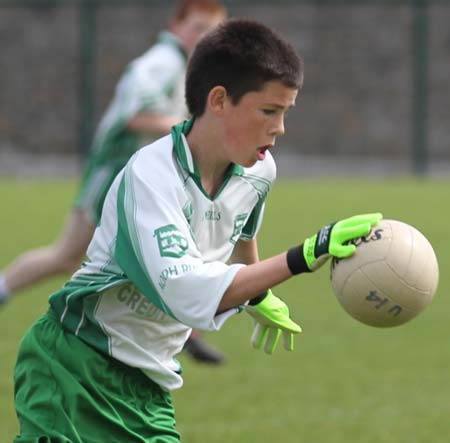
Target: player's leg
point(63, 256)
point(68, 251)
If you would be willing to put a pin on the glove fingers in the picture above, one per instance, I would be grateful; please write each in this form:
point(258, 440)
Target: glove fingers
point(350, 228)
point(285, 323)
point(372, 219)
point(291, 326)
point(351, 232)
point(280, 318)
point(259, 333)
point(343, 251)
point(288, 341)
point(340, 250)
point(271, 318)
point(272, 340)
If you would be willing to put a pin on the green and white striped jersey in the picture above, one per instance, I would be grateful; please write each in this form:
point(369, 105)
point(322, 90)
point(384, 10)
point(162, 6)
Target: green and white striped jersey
point(158, 259)
point(152, 82)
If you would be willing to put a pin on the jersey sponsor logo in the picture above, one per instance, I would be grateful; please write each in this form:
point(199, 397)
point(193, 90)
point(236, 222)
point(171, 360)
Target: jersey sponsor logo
point(212, 215)
point(172, 271)
point(239, 222)
point(129, 296)
point(171, 242)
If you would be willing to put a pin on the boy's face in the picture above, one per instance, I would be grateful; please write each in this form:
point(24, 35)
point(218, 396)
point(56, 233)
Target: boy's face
point(194, 26)
point(251, 126)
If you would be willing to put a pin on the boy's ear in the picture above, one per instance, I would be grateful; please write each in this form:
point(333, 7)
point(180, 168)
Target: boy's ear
point(217, 99)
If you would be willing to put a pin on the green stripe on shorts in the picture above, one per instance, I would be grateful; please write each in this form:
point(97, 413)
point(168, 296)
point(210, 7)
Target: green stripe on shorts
point(66, 392)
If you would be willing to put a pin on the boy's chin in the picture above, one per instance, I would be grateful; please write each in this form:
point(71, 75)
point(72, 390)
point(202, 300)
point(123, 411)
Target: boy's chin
point(249, 164)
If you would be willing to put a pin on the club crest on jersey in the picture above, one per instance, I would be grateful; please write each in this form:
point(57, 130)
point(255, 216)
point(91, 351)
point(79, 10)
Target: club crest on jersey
point(239, 222)
point(171, 241)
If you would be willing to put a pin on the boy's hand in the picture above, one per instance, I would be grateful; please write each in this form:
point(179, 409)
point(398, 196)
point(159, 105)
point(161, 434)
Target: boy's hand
point(332, 240)
point(271, 318)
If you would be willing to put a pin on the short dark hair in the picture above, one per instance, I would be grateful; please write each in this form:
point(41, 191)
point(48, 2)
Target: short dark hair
point(240, 55)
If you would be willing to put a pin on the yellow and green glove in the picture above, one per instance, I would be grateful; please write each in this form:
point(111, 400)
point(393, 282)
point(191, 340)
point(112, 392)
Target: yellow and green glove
point(331, 241)
point(270, 314)
point(271, 319)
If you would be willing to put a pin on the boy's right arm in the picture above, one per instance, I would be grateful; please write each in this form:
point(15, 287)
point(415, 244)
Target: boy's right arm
point(331, 241)
point(271, 315)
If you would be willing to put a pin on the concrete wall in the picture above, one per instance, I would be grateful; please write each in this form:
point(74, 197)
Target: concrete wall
point(356, 100)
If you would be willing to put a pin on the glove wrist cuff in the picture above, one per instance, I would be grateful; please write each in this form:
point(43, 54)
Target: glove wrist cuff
point(258, 299)
point(296, 260)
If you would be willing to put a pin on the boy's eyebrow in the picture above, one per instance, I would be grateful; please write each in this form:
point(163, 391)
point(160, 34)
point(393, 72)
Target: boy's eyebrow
point(280, 106)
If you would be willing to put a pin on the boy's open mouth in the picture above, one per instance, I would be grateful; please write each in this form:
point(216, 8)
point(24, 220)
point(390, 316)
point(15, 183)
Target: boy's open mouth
point(262, 152)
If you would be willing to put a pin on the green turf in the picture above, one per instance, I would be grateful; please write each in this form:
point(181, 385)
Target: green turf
point(345, 382)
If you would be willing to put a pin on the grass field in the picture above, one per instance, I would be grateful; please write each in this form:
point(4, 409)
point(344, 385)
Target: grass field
point(345, 382)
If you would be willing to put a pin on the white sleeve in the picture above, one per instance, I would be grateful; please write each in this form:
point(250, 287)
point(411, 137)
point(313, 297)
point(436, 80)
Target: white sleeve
point(148, 83)
point(157, 252)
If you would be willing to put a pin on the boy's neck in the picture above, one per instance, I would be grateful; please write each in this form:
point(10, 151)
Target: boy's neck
point(206, 146)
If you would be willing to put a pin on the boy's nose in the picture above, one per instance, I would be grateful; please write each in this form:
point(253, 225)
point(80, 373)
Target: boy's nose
point(278, 129)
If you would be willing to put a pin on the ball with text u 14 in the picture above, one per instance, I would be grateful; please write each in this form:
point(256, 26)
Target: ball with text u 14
point(392, 276)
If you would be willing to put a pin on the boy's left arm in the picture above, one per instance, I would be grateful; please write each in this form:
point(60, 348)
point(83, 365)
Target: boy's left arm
point(270, 314)
point(245, 252)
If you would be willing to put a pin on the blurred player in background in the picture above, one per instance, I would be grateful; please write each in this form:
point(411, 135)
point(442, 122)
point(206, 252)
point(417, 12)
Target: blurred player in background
point(148, 101)
point(175, 248)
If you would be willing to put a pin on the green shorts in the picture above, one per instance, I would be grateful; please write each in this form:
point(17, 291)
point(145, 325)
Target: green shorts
point(66, 392)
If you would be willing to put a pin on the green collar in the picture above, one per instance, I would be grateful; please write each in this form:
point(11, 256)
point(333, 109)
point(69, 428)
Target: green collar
point(171, 39)
point(185, 158)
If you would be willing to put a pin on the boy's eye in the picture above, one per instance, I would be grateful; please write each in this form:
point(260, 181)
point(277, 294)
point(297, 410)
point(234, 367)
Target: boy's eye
point(271, 112)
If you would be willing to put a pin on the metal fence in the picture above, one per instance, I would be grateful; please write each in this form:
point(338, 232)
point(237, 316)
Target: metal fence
point(377, 72)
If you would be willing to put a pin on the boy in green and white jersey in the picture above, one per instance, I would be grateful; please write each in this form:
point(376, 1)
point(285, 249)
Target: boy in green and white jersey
point(175, 248)
point(158, 258)
point(148, 101)
point(152, 84)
